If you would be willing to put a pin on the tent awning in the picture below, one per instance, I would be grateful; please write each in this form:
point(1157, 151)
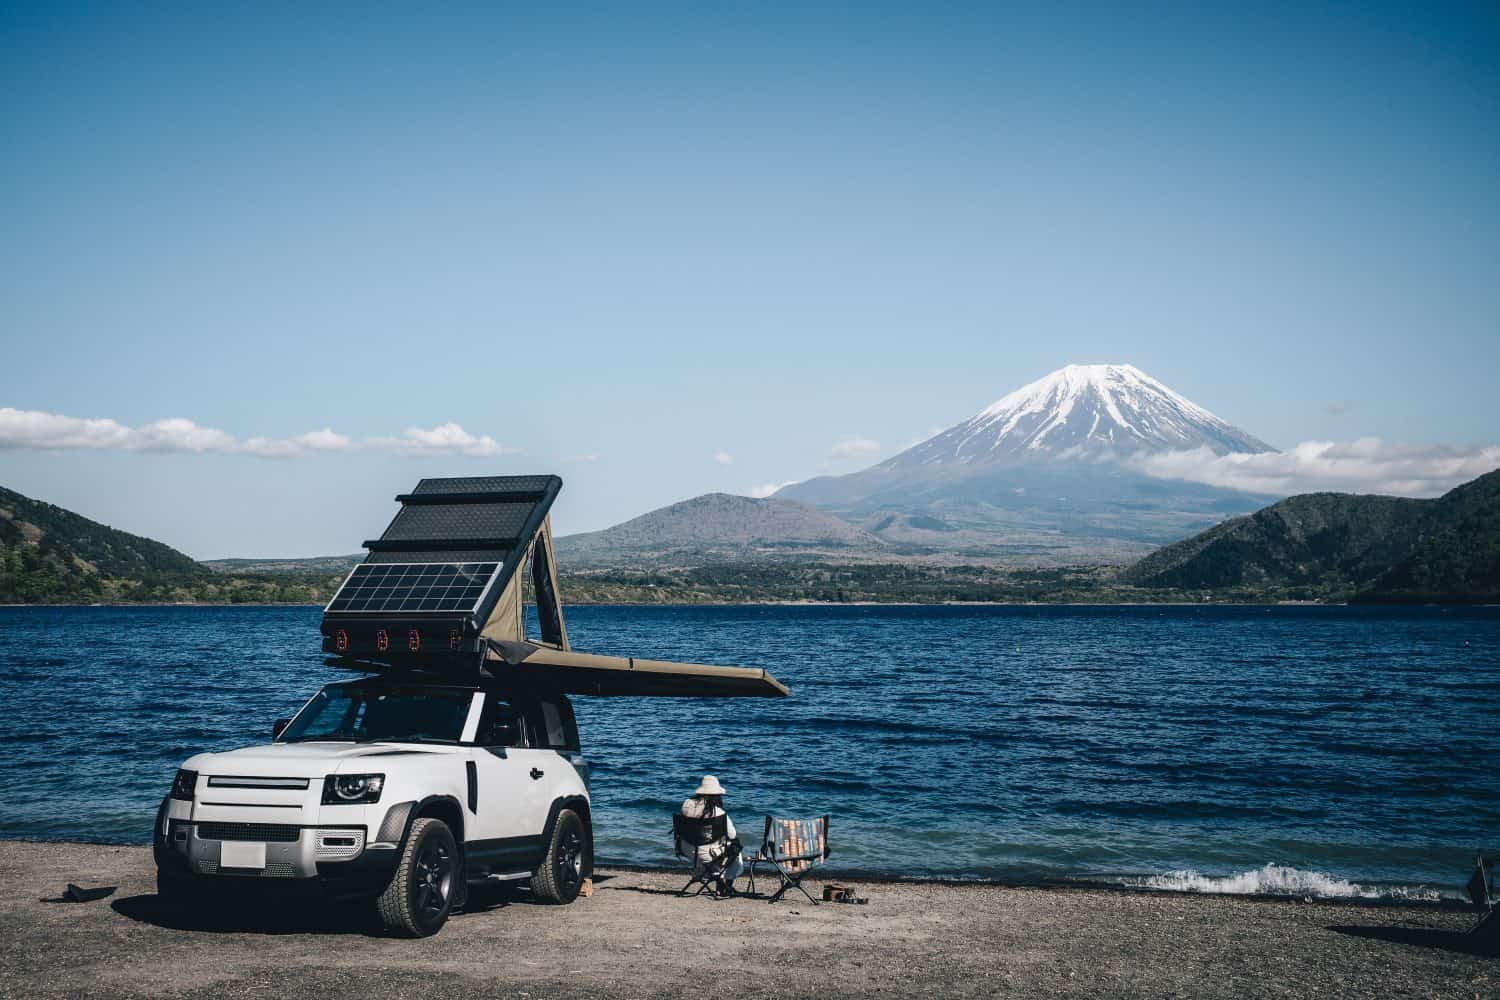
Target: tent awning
point(588, 674)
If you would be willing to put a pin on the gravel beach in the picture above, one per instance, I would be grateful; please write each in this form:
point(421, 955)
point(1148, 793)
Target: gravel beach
point(635, 938)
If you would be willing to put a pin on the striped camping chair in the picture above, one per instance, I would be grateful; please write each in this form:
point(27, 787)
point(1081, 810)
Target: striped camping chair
point(793, 847)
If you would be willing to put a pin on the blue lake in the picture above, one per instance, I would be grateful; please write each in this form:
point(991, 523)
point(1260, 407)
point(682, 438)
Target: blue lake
point(1340, 751)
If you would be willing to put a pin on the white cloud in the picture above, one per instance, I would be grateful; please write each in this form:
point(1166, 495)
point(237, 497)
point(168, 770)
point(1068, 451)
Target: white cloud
point(854, 448)
point(766, 489)
point(325, 440)
point(444, 439)
point(178, 434)
point(592, 456)
point(33, 430)
point(723, 458)
point(1368, 465)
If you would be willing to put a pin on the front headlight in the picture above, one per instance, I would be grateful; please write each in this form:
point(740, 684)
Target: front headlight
point(183, 784)
point(350, 789)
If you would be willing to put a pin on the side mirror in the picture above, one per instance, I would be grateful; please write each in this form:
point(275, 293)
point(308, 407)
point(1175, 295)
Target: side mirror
point(279, 727)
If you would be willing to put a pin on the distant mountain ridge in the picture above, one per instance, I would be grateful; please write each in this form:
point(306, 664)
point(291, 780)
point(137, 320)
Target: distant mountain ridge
point(1340, 546)
point(51, 555)
point(303, 564)
point(719, 526)
point(1329, 547)
point(46, 550)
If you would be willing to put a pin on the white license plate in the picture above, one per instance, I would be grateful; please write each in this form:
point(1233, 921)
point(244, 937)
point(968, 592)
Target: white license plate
point(241, 854)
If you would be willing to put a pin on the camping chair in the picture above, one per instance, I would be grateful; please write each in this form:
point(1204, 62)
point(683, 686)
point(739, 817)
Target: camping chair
point(689, 834)
point(793, 847)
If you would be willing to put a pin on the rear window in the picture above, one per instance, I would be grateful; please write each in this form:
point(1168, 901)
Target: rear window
point(556, 728)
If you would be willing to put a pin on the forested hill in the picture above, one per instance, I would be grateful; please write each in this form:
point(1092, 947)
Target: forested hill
point(1336, 546)
point(49, 555)
point(1457, 559)
point(1321, 547)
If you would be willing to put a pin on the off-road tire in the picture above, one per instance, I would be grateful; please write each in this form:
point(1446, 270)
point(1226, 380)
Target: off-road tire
point(429, 865)
point(560, 875)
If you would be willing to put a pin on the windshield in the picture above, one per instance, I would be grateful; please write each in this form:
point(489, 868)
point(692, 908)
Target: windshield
point(404, 714)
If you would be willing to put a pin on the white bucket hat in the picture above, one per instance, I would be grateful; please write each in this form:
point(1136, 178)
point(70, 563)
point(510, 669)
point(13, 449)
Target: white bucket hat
point(709, 786)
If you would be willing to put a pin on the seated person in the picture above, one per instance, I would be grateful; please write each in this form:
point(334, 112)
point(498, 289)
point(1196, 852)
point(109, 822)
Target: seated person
point(707, 803)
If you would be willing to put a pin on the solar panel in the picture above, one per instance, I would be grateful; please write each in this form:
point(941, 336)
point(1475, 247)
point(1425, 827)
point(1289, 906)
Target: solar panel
point(388, 587)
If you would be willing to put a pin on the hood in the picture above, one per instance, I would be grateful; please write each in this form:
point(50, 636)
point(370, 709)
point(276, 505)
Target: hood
point(280, 760)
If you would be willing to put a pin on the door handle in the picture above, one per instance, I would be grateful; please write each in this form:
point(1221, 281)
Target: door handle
point(536, 773)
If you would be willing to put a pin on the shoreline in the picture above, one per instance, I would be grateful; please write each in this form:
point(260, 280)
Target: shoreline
point(819, 604)
point(635, 936)
point(1091, 883)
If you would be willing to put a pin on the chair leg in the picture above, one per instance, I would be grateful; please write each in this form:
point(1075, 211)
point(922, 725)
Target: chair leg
point(801, 889)
point(789, 881)
point(786, 883)
point(705, 883)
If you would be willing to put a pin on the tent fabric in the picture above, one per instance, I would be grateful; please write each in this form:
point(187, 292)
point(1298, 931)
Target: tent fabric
point(549, 610)
point(589, 674)
point(505, 622)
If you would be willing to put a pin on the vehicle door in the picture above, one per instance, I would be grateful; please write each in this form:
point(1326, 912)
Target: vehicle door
point(506, 833)
point(553, 733)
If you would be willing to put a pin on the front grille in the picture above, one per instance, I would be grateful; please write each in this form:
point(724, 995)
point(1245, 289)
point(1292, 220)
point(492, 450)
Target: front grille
point(273, 869)
point(271, 833)
point(252, 781)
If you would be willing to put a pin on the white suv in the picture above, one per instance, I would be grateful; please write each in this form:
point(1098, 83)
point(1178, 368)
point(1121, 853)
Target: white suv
point(397, 788)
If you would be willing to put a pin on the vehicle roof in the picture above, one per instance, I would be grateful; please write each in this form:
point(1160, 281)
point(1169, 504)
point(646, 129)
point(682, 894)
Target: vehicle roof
point(426, 680)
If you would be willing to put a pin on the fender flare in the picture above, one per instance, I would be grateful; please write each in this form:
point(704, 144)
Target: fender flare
point(421, 805)
point(580, 805)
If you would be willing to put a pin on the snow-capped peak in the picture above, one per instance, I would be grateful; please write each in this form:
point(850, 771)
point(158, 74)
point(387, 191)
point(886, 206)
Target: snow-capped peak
point(1082, 411)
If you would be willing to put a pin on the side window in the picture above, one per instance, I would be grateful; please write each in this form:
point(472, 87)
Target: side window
point(558, 725)
point(501, 726)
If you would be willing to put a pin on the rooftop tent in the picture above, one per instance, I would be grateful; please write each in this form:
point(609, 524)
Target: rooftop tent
point(441, 590)
point(446, 574)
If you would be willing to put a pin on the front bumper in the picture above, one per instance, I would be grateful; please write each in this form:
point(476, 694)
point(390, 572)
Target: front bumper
point(335, 860)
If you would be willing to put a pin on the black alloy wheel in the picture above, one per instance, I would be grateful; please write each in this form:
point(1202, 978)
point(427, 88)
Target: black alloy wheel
point(570, 860)
point(420, 896)
point(560, 876)
point(434, 880)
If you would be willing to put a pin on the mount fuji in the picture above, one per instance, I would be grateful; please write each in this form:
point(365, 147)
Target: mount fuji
point(1046, 474)
point(1097, 411)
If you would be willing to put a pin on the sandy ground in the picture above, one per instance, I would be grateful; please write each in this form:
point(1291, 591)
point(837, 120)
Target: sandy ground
point(635, 938)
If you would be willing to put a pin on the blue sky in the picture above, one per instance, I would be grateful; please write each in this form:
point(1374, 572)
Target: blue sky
point(708, 248)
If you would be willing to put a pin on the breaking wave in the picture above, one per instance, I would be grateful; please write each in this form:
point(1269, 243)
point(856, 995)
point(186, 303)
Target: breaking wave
point(1282, 880)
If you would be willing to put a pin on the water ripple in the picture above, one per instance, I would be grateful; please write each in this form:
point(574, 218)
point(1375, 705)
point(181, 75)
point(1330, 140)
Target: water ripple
point(1229, 746)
